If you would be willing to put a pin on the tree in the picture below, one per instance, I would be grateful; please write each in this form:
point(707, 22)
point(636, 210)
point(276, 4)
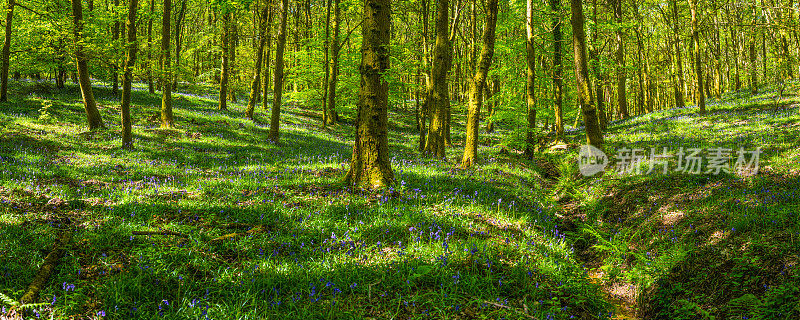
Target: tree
point(226, 38)
point(333, 74)
point(255, 84)
point(558, 70)
point(6, 52)
point(679, 102)
point(622, 99)
point(440, 98)
point(81, 60)
point(277, 90)
point(370, 162)
point(476, 86)
point(698, 64)
point(167, 119)
point(127, 76)
point(530, 83)
point(593, 134)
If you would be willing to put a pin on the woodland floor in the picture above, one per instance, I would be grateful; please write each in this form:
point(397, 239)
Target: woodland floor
point(210, 221)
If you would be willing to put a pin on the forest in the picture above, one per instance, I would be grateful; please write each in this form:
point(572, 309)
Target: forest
point(406, 159)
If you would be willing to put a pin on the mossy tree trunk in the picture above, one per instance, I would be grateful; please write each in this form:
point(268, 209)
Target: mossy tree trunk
point(587, 105)
point(82, 61)
point(370, 162)
point(127, 76)
point(435, 141)
point(476, 86)
point(6, 55)
point(278, 81)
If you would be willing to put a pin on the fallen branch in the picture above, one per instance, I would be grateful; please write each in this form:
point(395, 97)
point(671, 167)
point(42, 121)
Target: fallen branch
point(159, 233)
point(238, 234)
point(509, 308)
point(50, 263)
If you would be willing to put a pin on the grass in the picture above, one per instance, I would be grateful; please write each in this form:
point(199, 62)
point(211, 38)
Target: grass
point(270, 231)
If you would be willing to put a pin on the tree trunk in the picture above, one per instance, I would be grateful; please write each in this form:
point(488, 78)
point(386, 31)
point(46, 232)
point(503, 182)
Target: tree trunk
point(442, 52)
point(115, 37)
point(268, 49)
point(81, 60)
point(622, 98)
point(150, 87)
point(178, 32)
point(679, 101)
point(594, 58)
point(6, 52)
point(167, 119)
point(255, 84)
point(127, 76)
point(558, 70)
point(698, 61)
point(233, 43)
point(333, 117)
point(278, 81)
point(476, 86)
point(530, 83)
point(370, 162)
point(223, 82)
point(326, 64)
point(593, 134)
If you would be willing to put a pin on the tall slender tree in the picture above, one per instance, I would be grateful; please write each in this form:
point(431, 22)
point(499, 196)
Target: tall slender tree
point(255, 83)
point(530, 80)
point(440, 98)
point(558, 69)
point(622, 99)
point(476, 86)
point(698, 62)
point(277, 90)
point(82, 62)
point(167, 118)
point(587, 105)
point(226, 39)
point(6, 55)
point(127, 76)
point(370, 162)
point(333, 74)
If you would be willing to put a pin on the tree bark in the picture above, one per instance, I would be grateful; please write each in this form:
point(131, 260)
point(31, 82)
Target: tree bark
point(593, 134)
point(167, 119)
point(255, 84)
point(178, 32)
point(476, 86)
point(81, 60)
point(265, 86)
point(278, 81)
point(440, 98)
point(127, 76)
point(6, 52)
point(370, 162)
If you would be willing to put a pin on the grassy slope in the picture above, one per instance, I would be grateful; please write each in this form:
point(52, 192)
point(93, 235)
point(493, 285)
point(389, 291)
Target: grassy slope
point(487, 243)
point(443, 243)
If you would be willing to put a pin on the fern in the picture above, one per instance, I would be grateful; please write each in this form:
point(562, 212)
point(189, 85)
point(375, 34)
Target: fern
point(7, 300)
point(16, 305)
